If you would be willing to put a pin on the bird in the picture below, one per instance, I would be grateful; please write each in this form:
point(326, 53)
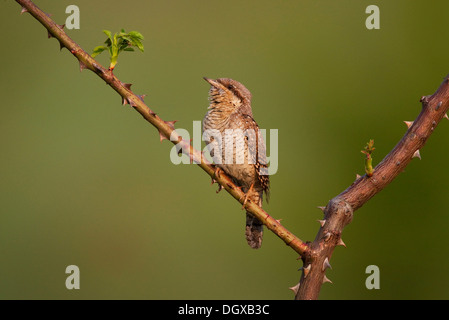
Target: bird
point(229, 121)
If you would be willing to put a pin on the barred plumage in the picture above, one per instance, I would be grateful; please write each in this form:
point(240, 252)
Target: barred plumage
point(228, 122)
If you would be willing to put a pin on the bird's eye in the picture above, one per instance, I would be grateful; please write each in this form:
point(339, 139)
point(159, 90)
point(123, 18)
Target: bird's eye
point(230, 87)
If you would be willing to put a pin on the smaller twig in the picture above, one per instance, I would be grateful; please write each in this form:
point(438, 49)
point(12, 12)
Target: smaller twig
point(369, 149)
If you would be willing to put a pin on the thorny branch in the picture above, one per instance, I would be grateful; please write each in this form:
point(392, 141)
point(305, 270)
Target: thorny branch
point(338, 212)
point(165, 128)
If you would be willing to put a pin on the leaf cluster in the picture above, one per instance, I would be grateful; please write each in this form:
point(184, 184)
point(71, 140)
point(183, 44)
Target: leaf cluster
point(120, 41)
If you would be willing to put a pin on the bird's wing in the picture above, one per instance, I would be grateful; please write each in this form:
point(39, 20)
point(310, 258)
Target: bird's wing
point(257, 151)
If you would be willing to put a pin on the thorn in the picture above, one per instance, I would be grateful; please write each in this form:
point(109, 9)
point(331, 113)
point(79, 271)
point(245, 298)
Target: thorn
point(446, 116)
point(424, 99)
point(341, 243)
point(306, 270)
point(162, 137)
point(357, 176)
point(142, 96)
point(152, 113)
point(82, 66)
point(49, 35)
point(23, 10)
point(322, 208)
point(295, 288)
point(61, 46)
point(327, 236)
point(125, 101)
point(417, 154)
point(61, 26)
point(127, 85)
point(278, 220)
point(408, 124)
point(322, 222)
point(326, 264)
point(171, 124)
point(326, 279)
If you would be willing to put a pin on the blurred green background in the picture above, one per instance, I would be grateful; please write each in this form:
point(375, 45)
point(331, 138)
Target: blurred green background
point(85, 181)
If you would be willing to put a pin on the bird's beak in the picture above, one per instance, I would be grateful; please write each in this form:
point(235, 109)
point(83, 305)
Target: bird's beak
point(212, 82)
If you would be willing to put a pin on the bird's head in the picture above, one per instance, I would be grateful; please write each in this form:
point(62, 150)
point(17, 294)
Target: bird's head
point(229, 94)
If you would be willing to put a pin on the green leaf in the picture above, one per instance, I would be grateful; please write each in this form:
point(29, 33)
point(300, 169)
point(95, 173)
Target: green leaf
point(115, 40)
point(135, 35)
point(108, 33)
point(98, 50)
point(125, 37)
point(140, 46)
point(120, 41)
point(123, 44)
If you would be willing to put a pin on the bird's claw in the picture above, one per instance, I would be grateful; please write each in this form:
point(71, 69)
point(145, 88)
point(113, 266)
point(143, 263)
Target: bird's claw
point(245, 197)
point(217, 175)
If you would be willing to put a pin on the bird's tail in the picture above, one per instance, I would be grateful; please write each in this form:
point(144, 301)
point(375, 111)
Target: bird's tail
point(254, 227)
point(254, 231)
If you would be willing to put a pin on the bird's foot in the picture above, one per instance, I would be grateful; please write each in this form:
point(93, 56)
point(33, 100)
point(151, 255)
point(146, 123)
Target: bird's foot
point(245, 197)
point(217, 175)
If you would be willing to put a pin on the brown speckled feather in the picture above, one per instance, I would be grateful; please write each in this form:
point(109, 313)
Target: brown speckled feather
point(230, 109)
